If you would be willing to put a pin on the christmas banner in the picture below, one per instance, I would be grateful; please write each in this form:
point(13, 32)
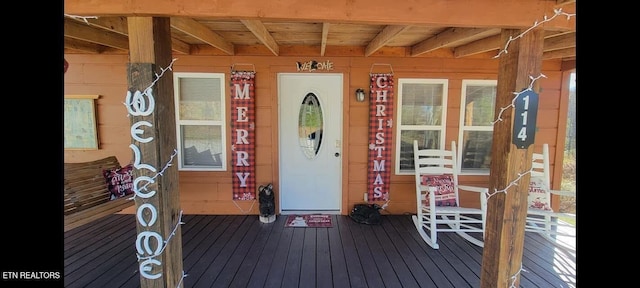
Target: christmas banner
point(380, 136)
point(243, 157)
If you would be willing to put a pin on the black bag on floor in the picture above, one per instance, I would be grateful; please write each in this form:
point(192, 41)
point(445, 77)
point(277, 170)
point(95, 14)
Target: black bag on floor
point(366, 214)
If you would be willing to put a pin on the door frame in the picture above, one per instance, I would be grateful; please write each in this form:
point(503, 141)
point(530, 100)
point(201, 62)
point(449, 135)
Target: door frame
point(344, 78)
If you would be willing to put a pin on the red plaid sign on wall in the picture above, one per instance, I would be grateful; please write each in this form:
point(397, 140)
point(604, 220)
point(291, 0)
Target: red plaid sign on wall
point(380, 136)
point(243, 135)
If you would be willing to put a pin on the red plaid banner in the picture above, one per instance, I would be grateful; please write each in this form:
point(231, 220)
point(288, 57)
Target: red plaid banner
point(243, 145)
point(380, 136)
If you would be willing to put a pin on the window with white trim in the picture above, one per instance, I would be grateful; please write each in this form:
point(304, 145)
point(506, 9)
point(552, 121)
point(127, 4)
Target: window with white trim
point(422, 113)
point(200, 121)
point(476, 126)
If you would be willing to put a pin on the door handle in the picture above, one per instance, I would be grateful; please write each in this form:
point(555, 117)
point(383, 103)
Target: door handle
point(337, 154)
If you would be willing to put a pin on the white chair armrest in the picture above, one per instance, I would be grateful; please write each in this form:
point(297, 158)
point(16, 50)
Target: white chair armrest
point(563, 193)
point(474, 189)
point(484, 192)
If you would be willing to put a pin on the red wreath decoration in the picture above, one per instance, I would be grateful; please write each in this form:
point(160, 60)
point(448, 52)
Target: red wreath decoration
point(66, 65)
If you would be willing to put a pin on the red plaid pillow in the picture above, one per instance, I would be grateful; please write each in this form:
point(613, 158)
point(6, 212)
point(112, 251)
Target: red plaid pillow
point(444, 189)
point(119, 181)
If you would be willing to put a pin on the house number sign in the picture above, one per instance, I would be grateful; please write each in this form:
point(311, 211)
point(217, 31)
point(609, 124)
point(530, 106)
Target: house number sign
point(524, 122)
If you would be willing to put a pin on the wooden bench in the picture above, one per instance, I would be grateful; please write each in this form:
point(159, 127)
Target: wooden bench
point(86, 196)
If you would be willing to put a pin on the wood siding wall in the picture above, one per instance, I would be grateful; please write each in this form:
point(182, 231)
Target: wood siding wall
point(210, 192)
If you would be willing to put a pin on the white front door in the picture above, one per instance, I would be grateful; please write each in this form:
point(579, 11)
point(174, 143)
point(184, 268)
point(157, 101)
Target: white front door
point(310, 114)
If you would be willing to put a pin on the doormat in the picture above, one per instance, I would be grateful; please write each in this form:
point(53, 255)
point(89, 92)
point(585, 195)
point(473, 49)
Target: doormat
point(309, 221)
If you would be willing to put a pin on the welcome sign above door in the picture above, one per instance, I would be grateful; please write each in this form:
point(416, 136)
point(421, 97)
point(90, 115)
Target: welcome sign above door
point(314, 65)
point(380, 136)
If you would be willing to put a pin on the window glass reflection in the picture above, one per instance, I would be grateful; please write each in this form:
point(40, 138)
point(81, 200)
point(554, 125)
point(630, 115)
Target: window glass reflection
point(310, 124)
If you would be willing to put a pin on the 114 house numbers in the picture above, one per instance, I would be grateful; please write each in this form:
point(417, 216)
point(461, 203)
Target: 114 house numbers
point(524, 122)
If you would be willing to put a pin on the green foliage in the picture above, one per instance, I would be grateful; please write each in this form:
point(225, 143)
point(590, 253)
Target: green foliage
point(571, 221)
point(568, 204)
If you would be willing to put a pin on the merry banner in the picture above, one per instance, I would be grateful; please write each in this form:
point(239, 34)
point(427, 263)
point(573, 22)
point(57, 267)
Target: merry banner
point(243, 157)
point(380, 136)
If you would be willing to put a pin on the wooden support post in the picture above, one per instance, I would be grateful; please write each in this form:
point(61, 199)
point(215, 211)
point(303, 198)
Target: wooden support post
point(506, 212)
point(153, 145)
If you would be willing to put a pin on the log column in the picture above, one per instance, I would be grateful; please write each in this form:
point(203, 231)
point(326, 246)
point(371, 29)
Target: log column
point(506, 212)
point(153, 144)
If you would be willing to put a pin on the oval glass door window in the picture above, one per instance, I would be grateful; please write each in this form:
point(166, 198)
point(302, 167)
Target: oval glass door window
point(310, 123)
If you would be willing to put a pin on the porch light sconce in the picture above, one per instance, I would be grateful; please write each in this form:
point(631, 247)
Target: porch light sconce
point(360, 95)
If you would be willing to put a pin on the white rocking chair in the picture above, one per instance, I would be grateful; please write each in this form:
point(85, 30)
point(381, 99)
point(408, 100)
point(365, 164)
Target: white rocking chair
point(540, 217)
point(439, 210)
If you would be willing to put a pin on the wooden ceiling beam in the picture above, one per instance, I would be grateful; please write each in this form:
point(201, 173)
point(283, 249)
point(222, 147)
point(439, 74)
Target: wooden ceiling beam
point(76, 30)
point(257, 28)
point(202, 33)
point(447, 38)
point(560, 53)
point(325, 35)
point(113, 24)
point(119, 25)
point(553, 42)
point(180, 46)
point(387, 34)
point(560, 42)
point(75, 44)
point(478, 13)
point(477, 47)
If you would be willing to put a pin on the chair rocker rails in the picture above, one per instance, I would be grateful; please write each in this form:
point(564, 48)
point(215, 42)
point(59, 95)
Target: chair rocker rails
point(546, 221)
point(431, 219)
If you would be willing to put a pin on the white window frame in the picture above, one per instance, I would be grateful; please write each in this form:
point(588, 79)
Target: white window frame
point(221, 123)
point(400, 127)
point(463, 128)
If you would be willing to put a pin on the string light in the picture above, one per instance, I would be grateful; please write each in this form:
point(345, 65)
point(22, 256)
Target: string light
point(147, 91)
point(513, 183)
point(165, 243)
point(557, 12)
point(182, 278)
point(166, 166)
point(162, 70)
point(514, 277)
point(83, 18)
point(513, 101)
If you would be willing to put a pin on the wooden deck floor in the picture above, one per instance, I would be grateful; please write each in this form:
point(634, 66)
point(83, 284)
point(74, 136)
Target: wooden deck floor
point(240, 251)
